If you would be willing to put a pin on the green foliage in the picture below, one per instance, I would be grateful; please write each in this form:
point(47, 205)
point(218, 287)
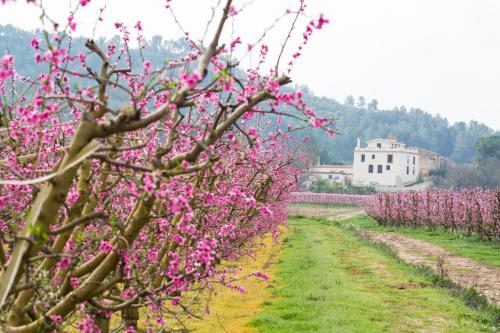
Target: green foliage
point(324, 186)
point(38, 231)
point(489, 147)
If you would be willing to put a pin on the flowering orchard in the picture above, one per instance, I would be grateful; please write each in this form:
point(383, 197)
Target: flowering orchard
point(110, 209)
point(330, 198)
point(471, 211)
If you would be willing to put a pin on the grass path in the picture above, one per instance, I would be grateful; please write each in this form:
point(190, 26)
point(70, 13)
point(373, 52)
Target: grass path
point(329, 281)
point(460, 270)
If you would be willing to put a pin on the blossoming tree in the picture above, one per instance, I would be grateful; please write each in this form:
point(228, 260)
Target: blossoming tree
point(108, 208)
point(468, 211)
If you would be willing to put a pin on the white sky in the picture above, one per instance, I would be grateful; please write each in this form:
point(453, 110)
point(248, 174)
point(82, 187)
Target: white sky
point(442, 56)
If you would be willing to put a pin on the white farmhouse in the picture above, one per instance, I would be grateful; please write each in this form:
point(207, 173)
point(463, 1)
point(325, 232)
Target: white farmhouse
point(385, 162)
point(335, 173)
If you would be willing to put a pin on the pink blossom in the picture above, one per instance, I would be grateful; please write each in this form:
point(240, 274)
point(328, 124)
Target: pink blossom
point(82, 58)
point(74, 282)
point(64, 263)
point(130, 329)
point(232, 11)
point(38, 58)
point(175, 301)
point(191, 80)
point(105, 247)
point(35, 43)
point(252, 131)
point(71, 23)
point(321, 22)
point(147, 66)
point(330, 198)
point(235, 43)
point(471, 211)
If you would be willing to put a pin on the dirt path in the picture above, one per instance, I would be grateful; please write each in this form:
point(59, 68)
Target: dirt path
point(460, 270)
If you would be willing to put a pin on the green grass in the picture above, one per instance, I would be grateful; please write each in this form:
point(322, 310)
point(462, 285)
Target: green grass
point(467, 246)
point(328, 280)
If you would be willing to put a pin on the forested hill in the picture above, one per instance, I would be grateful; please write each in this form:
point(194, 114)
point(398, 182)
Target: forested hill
point(355, 118)
point(17, 42)
point(414, 127)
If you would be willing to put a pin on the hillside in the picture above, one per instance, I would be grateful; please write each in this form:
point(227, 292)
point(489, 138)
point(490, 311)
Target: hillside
point(354, 118)
point(415, 127)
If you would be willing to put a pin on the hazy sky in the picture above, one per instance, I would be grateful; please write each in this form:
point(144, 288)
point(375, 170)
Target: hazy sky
point(441, 56)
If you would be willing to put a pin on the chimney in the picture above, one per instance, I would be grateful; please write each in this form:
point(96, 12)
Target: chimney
point(358, 143)
point(392, 137)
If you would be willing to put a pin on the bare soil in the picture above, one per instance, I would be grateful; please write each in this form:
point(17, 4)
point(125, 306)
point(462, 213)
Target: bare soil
point(462, 271)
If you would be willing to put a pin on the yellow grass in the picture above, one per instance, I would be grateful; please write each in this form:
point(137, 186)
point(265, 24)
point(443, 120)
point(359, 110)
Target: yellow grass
point(230, 311)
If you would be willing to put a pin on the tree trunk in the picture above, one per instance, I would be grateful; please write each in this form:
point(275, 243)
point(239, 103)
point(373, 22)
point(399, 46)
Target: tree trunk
point(130, 317)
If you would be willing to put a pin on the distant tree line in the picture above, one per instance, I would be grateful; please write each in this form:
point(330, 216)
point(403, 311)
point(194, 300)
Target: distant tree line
point(321, 185)
point(414, 127)
point(16, 41)
point(485, 172)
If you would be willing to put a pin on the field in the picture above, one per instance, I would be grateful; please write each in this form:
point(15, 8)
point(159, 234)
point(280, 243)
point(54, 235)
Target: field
point(325, 278)
point(330, 281)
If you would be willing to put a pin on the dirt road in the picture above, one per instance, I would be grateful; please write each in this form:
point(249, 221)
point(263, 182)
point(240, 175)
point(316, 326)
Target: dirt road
point(462, 271)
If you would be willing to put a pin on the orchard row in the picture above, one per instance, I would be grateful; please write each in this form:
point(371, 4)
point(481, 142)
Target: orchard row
point(468, 211)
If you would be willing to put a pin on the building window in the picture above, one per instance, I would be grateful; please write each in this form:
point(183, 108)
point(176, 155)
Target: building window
point(389, 158)
point(373, 156)
point(413, 170)
point(413, 160)
point(370, 168)
point(330, 177)
point(379, 145)
point(407, 170)
point(362, 157)
point(379, 168)
point(388, 167)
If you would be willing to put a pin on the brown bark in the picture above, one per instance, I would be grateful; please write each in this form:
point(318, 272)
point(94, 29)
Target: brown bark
point(102, 322)
point(43, 212)
point(17, 311)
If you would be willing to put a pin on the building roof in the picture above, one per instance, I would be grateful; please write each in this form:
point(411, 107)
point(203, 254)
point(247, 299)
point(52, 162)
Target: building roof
point(424, 151)
point(401, 149)
point(386, 140)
